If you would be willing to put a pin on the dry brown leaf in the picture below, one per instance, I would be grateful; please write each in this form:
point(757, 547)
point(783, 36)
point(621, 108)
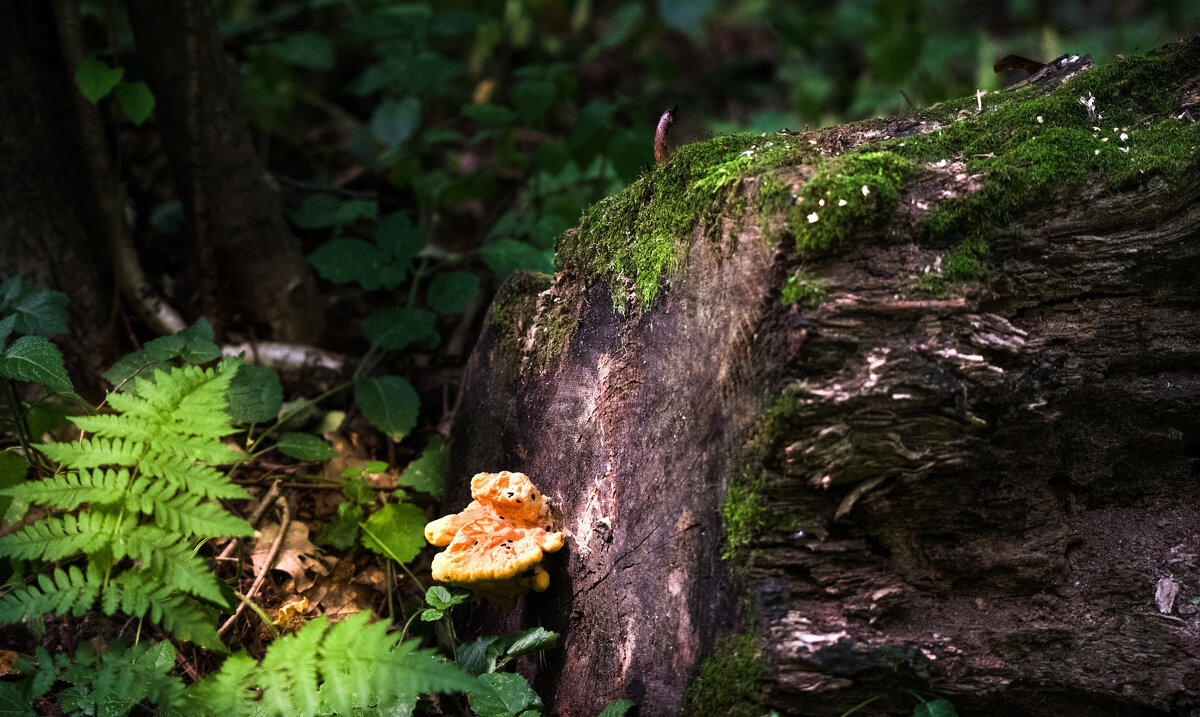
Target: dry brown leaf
point(298, 557)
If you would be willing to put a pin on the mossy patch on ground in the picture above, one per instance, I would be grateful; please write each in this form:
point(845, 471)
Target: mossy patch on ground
point(804, 289)
point(728, 680)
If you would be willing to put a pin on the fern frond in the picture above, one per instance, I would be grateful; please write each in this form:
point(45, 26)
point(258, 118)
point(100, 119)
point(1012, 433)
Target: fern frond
point(185, 514)
point(164, 556)
point(183, 400)
point(200, 479)
point(118, 425)
point(347, 668)
point(95, 452)
point(139, 594)
point(71, 591)
point(289, 675)
point(54, 538)
point(71, 490)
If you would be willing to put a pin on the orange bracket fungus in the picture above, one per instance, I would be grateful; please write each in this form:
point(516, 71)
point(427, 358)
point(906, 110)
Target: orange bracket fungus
point(496, 543)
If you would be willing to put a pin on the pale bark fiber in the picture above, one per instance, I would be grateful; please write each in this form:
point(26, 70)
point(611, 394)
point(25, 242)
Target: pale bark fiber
point(1023, 461)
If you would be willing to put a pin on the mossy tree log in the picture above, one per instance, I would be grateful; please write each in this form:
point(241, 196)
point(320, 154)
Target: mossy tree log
point(962, 463)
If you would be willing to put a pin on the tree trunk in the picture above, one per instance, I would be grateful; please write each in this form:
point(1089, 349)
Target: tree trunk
point(962, 472)
point(237, 220)
point(49, 225)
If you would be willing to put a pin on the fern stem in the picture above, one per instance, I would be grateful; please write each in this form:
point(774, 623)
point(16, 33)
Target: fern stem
point(246, 601)
point(284, 521)
point(22, 425)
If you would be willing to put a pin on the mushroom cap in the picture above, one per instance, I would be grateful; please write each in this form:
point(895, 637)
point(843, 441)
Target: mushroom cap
point(494, 546)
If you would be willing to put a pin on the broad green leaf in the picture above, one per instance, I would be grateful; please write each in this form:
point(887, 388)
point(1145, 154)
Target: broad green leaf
point(394, 121)
point(617, 709)
point(13, 469)
point(342, 531)
point(255, 394)
point(40, 312)
point(12, 703)
point(136, 101)
point(321, 211)
point(478, 656)
point(505, 256)
point(399, 239)
point(307, 49)
point(34, 358)
point(489, 115)
point(431, 615)
point(390, 403)
point(427, 473)
point(96, 79)
point(531, 640)
point(503, 694)
point(935, 708)
point(686, 16)
point(6, 329)
point(345, 260)
point(357, 490)
point(438, 596)
point(452, 292)
point(533, 99)
point(305, 447)
point(397, 327)
point(396, 531)
point(193, 345)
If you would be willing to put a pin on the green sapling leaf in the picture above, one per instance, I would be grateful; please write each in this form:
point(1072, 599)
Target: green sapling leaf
point(6, 329)
point(346, 260)
point(477, 656)
point(135, 100)
point(396, 327)
point(96, 79)
point(427, 473)
point(305, 447)
point(306, 49)
point(935, 708)
point(504, 694)
point(531, 640)
point(452, 292)
point(395, 120)
point(505, 256)
point(617, 709)
point(396, 531)
point(357, 490)
point(255, 394)
point(390, 404)
point(40, 312)
point(342, 531)
point(438, 596)
point(34, 358)
point(431, 615)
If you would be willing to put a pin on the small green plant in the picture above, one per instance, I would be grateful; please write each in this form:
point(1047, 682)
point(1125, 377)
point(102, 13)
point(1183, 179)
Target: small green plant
point(130, 505)
point(803, 288)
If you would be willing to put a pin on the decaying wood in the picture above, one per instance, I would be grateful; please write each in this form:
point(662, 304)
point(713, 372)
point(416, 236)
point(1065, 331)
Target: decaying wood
point(981, 493)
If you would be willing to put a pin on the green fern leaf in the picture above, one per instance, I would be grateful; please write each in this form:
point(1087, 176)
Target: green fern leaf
point(289, 674)
point(69, 592)
point(202, 480)
point(187, 515)
point(165, 557)
point(71, 490)
point(95, 452)
point(139, 594)
point(108, 424)
point(55, 538)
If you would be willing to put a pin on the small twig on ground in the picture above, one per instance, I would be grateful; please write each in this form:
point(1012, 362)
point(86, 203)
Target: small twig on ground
point(284, 520)
point(255, 516)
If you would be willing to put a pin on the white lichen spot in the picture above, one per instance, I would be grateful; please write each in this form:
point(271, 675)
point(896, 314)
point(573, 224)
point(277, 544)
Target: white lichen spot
point(1040, 119)
point(770, 144)
point(821, 202)
point(866, 190)
point(812, 141)
point(941, 163)
point(841, 202)
point(812, 218)
point(1124, 149)
point(1124, 136)
point(1104, 139)
point(1097, 151)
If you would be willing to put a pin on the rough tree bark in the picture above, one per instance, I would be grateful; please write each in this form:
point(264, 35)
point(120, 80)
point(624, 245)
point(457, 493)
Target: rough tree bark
point(970, 489)
point(50, 230)
point(237, 218)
